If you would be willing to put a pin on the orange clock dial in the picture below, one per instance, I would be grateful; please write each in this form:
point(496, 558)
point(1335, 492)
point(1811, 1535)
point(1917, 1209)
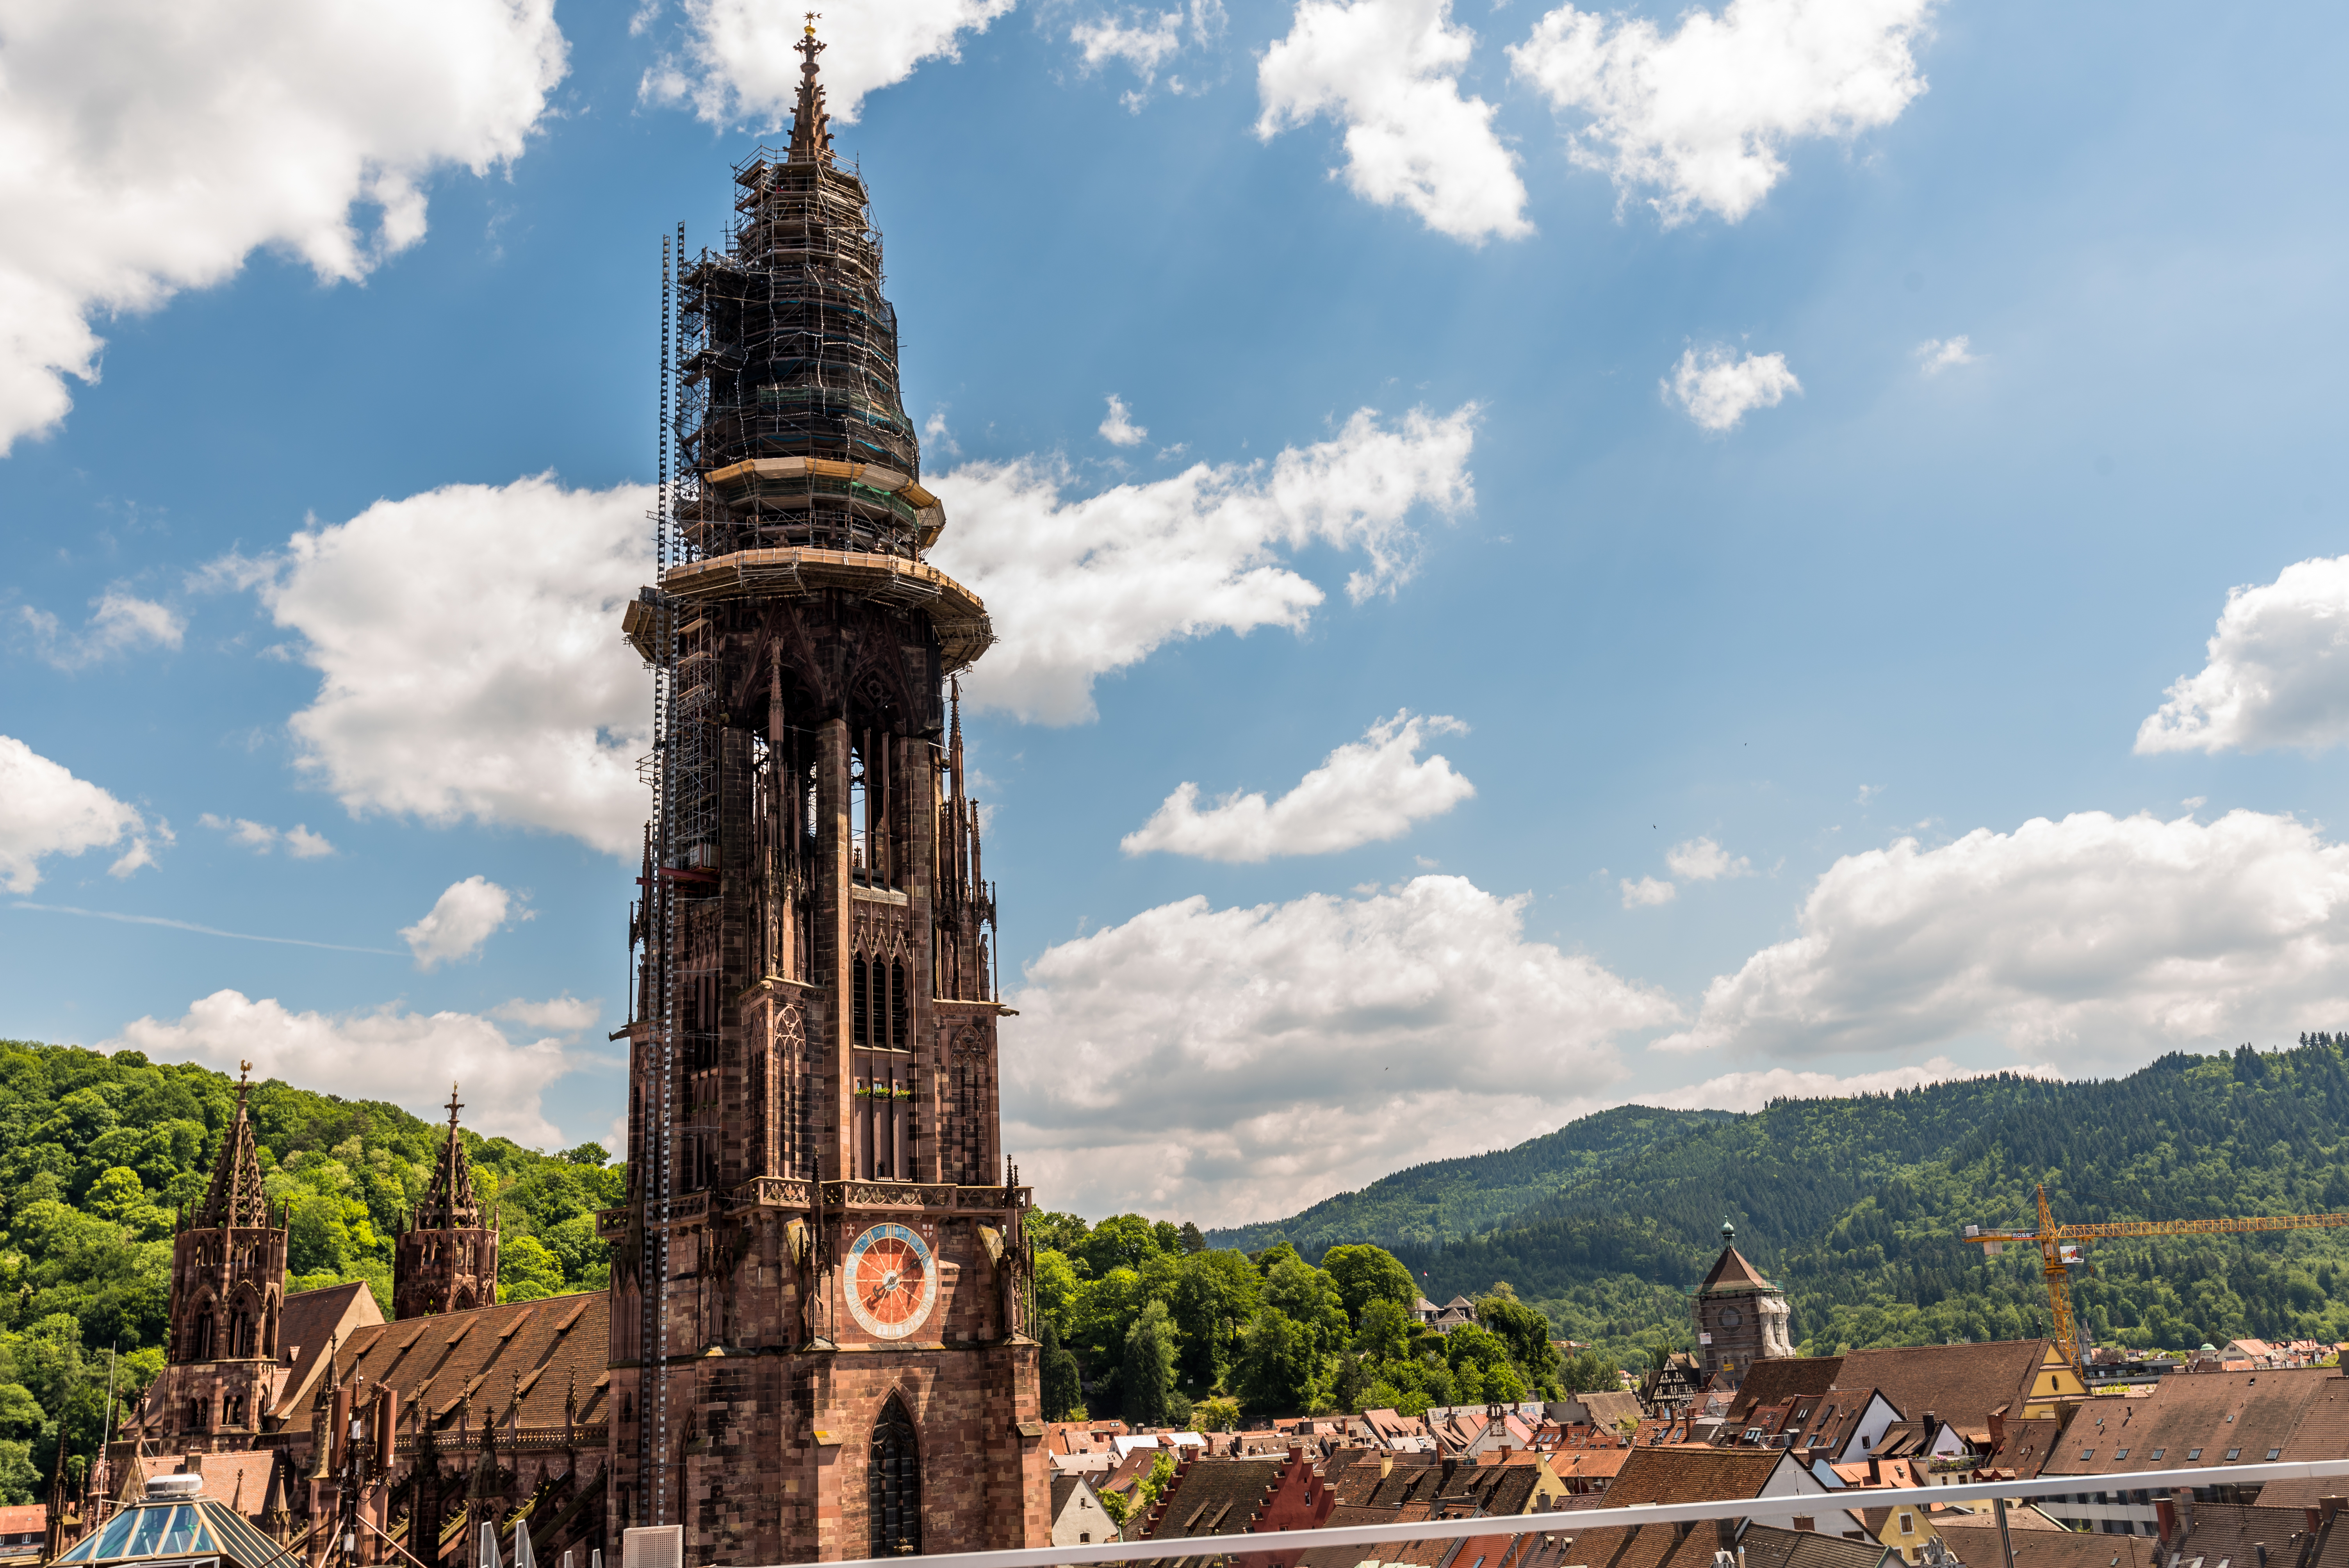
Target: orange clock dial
point(892, 1281)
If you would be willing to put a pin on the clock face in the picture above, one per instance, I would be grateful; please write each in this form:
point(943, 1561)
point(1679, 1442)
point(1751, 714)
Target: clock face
point(1732, 1317)
point(892, 1281)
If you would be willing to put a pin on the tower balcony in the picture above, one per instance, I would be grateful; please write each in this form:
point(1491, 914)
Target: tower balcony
point(934, 1198)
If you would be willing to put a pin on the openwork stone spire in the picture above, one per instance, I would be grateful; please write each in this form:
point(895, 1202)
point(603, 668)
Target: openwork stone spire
point(235, 1199)
point(811, 127)
point(449, 1203)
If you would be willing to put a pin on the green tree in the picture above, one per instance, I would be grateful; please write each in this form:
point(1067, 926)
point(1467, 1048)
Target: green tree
point(1280, 1365)
point(1588, 1373)
point(1057, 1233)
point(1364, 1274)
point(1147, 1374)
point(1215, 1293)
point(18, 1476)
point(1308, 1297)
point(526, 1270)
point(1153, 1486)
point(1217, 1413)
point(1527, 1334)
point(1192, 1239)
point(1063, 1390)
point(1350, 1383)
point(1056, 1286)
point(20, 1414)
point(1121, 1240)
point(1386, 1330)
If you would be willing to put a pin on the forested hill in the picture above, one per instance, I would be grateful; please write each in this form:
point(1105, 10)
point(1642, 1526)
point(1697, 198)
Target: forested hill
point(96, 1154)
point(1855, 1205)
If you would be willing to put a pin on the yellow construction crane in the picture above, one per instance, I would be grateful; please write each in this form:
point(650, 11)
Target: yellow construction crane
point(2058, 1247)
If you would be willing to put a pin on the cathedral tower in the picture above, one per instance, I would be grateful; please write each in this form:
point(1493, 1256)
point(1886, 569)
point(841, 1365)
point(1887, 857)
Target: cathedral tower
point(446, 1258)
point(228, 1287)
point(820, 1280)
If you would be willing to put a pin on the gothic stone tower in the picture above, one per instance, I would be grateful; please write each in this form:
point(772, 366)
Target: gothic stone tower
point(446, 1259)
point(820, 1280)
point(1740, 1317)
point(228, 1288)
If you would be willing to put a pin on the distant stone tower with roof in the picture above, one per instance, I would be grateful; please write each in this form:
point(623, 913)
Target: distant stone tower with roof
point(446, 1258)
point(1740, 1317)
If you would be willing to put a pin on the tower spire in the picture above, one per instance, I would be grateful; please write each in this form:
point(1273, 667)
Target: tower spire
point(449, 1203)
point(811, 127)
point(235, 1199)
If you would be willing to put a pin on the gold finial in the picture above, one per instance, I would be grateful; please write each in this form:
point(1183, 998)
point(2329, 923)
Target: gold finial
point(813, 18)
point(244, 1071)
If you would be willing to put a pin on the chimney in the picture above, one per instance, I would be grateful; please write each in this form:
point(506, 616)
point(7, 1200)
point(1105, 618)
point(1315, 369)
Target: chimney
point(1807, 1522)
point(1724, 1535)
point(2165, 1517)
point(2330, 1506)
point(1875, 1470)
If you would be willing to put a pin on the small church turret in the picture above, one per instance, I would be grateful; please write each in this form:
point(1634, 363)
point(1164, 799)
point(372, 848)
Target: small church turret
point(228, 1265)
point(446, 1258)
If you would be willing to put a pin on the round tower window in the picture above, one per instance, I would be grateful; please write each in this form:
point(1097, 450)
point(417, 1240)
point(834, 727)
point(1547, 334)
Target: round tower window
point(1730, 1317)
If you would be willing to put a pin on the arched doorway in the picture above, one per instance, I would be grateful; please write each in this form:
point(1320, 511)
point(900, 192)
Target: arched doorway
point(892, 1484)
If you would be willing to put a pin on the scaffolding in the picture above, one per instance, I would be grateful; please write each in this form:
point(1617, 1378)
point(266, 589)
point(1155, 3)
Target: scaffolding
point(802, 436)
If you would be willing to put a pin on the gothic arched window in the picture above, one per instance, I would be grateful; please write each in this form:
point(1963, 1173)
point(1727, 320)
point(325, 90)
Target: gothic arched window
point(892, 1484)
point(860, 1016)
point(901, 1033)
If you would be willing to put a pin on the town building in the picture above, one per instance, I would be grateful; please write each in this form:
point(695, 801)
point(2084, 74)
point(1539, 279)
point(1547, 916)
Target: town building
point(1078, 1516)
point(2204, 1421)
point(1949, 1401)
point(1241, 1497)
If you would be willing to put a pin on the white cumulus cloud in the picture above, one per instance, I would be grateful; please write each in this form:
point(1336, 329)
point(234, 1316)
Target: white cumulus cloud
point(44, 811)
point(1936, 355)
point(120, 622)
point(467, 641)
point(1717, 386)
point(1648, 893)
point(1702, 860)
point(465, 915)
point(2277, 673)
point(1233, 1062)
point(1389, 71)
point(150, 151)
point(564, 1015)
point(1365, 791)
point(261, 838)
point(1079, 589)
point(738, 65)
point(2108, 937)
point(1703, 116)
point(389, 1054)
point(1119, 429)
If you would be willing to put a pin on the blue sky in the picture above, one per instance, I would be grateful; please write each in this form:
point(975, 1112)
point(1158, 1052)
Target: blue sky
point(1810, 451)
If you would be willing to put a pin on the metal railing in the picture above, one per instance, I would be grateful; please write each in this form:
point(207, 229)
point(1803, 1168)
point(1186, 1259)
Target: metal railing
point(1575, 1522)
